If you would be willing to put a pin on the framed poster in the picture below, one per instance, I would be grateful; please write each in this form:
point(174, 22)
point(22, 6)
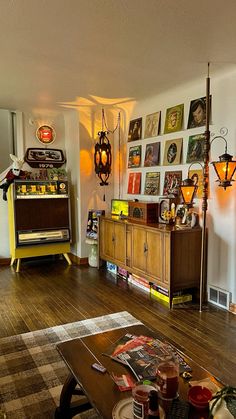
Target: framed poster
point(152, 124)
point(152, 183)
point(135, 130)
point(197, 177)
point(173, 151)
point(172, 183)
point(152, 154)
point(195, 148)
point(135, 156)
point(44, 157)
point(197, 112)
point(174, 119)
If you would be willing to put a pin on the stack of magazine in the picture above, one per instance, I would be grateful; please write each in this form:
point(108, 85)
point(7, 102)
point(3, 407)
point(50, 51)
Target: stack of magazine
point(142, 354)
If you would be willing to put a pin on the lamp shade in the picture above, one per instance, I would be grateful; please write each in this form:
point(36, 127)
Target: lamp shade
point(102, 158)
point(225, 169)
point(188, 190)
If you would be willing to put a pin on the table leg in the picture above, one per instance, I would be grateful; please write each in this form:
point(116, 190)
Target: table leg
point(66, 256)
point(18, 265)
point(68, 409)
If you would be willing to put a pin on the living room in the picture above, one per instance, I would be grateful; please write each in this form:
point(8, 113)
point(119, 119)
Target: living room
point(130, 59)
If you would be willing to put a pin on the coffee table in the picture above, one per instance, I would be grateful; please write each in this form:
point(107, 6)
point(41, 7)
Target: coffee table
point(98, 390)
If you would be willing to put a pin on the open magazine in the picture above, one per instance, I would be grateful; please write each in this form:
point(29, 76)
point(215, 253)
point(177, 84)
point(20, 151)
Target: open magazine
point(141, 355)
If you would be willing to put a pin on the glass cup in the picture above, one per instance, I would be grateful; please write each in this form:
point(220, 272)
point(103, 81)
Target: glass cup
point(168, 376)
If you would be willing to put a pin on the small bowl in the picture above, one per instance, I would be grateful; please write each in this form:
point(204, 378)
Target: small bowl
point(199, 396)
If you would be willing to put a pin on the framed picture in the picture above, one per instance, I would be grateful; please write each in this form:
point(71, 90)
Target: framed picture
point(195, 148)
point(44, 157)
point(135, 156)
point(152, 183)
point(173, 151)
point(152, 154)
point(152, 125)
point(134, 183)
point(135, 130)
point(197, 177)
point(172, 182)
point(197, 112)
point(174, 119)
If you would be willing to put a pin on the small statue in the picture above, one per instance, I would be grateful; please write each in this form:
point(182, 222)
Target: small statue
point(11, 173)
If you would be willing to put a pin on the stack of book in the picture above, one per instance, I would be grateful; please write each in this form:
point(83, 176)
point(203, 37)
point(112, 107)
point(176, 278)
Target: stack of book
point(139, 282)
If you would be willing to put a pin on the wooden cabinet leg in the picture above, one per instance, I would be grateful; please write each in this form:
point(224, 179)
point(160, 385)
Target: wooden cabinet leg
point(67, 258)
point(18, 265)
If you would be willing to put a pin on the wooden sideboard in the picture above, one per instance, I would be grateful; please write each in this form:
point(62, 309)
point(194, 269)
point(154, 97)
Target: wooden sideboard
point(164, 255)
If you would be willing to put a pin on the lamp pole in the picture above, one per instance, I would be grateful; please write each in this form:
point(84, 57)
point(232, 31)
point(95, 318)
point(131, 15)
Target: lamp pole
point(206, 149)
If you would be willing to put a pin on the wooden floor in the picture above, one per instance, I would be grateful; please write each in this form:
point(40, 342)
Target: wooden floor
point(49, 293)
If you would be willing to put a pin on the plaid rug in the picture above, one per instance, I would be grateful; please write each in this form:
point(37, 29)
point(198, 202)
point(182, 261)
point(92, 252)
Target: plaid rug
point(32, 372)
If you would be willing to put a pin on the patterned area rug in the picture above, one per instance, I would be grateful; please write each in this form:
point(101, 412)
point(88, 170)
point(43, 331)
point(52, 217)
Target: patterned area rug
point(32, 372)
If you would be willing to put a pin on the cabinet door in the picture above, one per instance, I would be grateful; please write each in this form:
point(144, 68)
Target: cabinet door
point(107, 233)
point(119, 242)
point(154, 254)
point(139, 248)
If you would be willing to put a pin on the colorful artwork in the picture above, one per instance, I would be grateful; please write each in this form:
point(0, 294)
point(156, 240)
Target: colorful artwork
point(135, 130)
point(195, 148)
point(173, 150)
point(197, 177)
point(152, 155)
point(135, 156)
point(197, 113)
point(152, 183)
point(172, 182)
point(134, 183)
point(152, 125)
point(174, 119)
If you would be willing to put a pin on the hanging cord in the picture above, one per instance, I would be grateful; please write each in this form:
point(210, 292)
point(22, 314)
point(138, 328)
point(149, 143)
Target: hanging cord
point(105, 124)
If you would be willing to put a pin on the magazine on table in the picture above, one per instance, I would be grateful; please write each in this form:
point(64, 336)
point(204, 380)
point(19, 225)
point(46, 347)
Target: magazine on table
point(142, 353)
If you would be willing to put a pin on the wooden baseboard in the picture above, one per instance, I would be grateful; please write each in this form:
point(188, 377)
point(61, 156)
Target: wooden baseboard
point(5, 261)
point(77, 260)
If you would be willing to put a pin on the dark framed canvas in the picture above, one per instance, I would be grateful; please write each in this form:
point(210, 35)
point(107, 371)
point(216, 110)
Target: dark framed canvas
point(197, 112)
point(195, 148)
point(152, 183)
point(173, 152)
point(174, 119)
point(152, 124)
point(135, 130)
point(152, 155)
point(172, 183)
point(135, 154)
point(44, 157)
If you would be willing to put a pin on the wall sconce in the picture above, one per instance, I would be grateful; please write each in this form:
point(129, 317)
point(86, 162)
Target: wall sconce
point(225, 167)
point(102, 158)
point(46, 134)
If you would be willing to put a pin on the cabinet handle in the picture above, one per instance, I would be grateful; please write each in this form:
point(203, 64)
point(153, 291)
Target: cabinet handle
point(145, 247)
point(113, 238)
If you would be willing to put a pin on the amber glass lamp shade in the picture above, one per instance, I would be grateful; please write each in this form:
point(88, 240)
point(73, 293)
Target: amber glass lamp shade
point(188, 190)
point(102, 158)
point(225, 169)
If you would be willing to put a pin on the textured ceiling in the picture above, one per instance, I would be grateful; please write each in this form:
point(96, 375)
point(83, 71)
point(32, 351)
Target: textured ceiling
point(54, 51)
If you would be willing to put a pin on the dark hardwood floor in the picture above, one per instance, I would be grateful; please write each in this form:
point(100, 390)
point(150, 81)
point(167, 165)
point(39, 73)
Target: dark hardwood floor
point(48, 293)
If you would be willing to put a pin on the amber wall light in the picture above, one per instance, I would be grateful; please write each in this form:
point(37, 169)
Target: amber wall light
point(225, 167)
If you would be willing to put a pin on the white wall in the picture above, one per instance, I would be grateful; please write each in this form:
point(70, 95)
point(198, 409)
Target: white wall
point(221, 220)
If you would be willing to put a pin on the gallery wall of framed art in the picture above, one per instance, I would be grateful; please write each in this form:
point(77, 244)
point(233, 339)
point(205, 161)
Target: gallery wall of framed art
point(160, 147)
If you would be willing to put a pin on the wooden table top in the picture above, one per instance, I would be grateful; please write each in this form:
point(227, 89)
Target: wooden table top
point(79, 354)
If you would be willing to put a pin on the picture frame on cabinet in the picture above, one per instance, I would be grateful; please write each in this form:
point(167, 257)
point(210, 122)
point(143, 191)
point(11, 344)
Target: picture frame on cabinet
point(195, 148)
point(172, 182)
point(135, 130)
point(135, 154)
point(174, 119)
point(152, 154)
point(197, 112)
point(173, 152)
point(152, 125)
point(152, 183)
point(134, 183)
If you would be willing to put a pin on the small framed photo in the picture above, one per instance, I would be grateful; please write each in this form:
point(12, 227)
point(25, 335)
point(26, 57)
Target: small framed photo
point(195, 148)
point(197, 112)
point(173, 151)
point(174, 119)
point(172, 183)
point(152, 125)
point(135, 156)
point(152, 155)
point(135, 130)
